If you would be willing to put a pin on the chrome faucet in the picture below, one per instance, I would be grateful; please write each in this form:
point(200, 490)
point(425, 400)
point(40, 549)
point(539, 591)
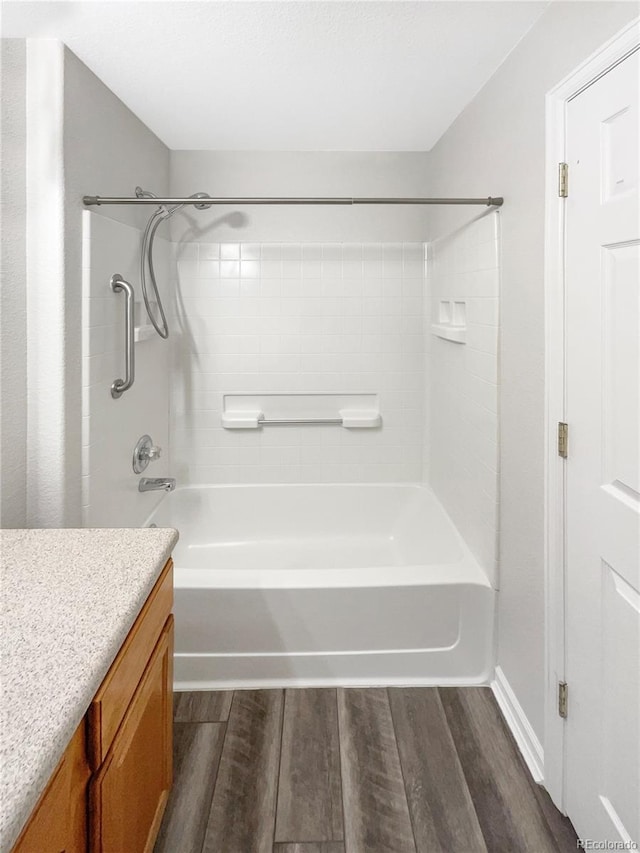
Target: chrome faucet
point(154, 484)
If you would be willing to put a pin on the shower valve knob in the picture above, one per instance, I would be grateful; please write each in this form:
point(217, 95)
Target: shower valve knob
point(144, 452)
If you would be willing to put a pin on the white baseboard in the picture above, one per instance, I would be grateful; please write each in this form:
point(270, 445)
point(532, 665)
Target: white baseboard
point(520, 727)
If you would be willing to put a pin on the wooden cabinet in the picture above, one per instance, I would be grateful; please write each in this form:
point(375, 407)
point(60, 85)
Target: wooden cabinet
point(129, 792)
point(107, 711)
point(59, 822)
point(109, 792)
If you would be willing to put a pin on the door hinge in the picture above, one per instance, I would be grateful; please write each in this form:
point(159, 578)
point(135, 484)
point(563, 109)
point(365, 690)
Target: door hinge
point(563, 439)
point(562, 699)
point(563, 180)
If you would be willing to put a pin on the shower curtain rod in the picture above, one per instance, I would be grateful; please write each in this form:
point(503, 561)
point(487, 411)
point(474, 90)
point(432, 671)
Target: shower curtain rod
point(204, 202)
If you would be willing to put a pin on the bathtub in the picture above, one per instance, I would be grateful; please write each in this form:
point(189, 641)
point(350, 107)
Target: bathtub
point(324, 584)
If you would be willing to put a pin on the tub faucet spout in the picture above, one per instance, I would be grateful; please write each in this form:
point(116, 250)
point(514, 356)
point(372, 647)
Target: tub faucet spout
point(153, 484)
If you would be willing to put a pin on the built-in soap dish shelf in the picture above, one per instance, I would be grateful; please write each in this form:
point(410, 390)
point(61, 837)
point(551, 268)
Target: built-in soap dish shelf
point(143, 333)
point(351, 411)
point(452, 321)
point(142, 328)
point(457, 334)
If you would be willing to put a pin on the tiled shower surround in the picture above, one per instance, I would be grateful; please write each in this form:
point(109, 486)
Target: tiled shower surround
point(462, 384)
point(325, 318)
point(299, 318)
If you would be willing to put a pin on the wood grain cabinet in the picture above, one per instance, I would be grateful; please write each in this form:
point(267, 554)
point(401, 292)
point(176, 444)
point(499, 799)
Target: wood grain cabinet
point(129, 793)
point(59, 822)
point(109, 792)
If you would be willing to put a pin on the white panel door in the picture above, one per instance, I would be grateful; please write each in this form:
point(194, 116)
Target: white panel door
point(603, 467)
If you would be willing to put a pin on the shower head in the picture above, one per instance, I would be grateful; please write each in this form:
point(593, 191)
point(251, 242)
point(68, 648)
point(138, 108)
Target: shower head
point(146, 259)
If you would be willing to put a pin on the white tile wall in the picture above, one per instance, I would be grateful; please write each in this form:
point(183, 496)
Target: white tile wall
point(112, 427)
point(281, 318)
point(462, 459)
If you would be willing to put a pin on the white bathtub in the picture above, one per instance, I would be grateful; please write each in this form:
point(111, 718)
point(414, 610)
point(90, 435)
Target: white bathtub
point(324, 584)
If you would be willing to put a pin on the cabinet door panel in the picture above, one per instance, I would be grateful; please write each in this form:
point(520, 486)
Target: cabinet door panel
point(129, 793)
point(111, 702)
point(59, 821)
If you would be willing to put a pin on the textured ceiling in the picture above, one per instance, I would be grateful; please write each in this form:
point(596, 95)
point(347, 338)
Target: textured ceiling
point(344, 76)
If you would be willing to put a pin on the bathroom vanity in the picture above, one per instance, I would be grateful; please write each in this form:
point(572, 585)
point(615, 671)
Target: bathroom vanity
point(100, 687)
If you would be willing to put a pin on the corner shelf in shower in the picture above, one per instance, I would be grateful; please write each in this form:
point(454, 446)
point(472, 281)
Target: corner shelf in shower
point(457, 334)
point(452, 321)
point(143, 333)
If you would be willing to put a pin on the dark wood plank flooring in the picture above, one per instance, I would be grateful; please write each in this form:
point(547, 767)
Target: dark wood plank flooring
point(243, 808)
point(309, 791)
point(403, 770)
point(376, 813)
point(444, 818)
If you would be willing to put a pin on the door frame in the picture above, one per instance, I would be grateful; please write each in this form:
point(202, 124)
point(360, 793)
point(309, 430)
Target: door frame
point(622, 45)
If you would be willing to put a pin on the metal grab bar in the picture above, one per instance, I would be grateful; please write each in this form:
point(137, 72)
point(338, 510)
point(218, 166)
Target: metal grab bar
point(300, 421)
point(349, 419)
point(119, 386)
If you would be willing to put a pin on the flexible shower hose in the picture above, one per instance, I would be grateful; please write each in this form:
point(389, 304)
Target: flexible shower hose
point(146, 261)
point(146, 258)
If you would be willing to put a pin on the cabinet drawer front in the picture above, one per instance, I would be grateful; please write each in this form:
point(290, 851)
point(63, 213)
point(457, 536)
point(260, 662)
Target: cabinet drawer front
point(128, 795)
point(110, 704)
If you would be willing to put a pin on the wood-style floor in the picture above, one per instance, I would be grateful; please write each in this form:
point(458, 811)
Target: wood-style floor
point(407, 770)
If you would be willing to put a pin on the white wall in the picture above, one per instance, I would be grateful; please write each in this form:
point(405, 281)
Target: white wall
point(82, 139)
point(295, 173)
point(496, 146)
point(298, 318)
point(107, 151)
point(48, 483)
point(13, 320)
point(462, 383)
point(111, 428)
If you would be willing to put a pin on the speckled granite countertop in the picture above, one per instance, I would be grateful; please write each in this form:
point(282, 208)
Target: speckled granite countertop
point(68, 600)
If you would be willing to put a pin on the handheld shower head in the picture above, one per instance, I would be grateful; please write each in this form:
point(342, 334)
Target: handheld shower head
point(146, 256)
